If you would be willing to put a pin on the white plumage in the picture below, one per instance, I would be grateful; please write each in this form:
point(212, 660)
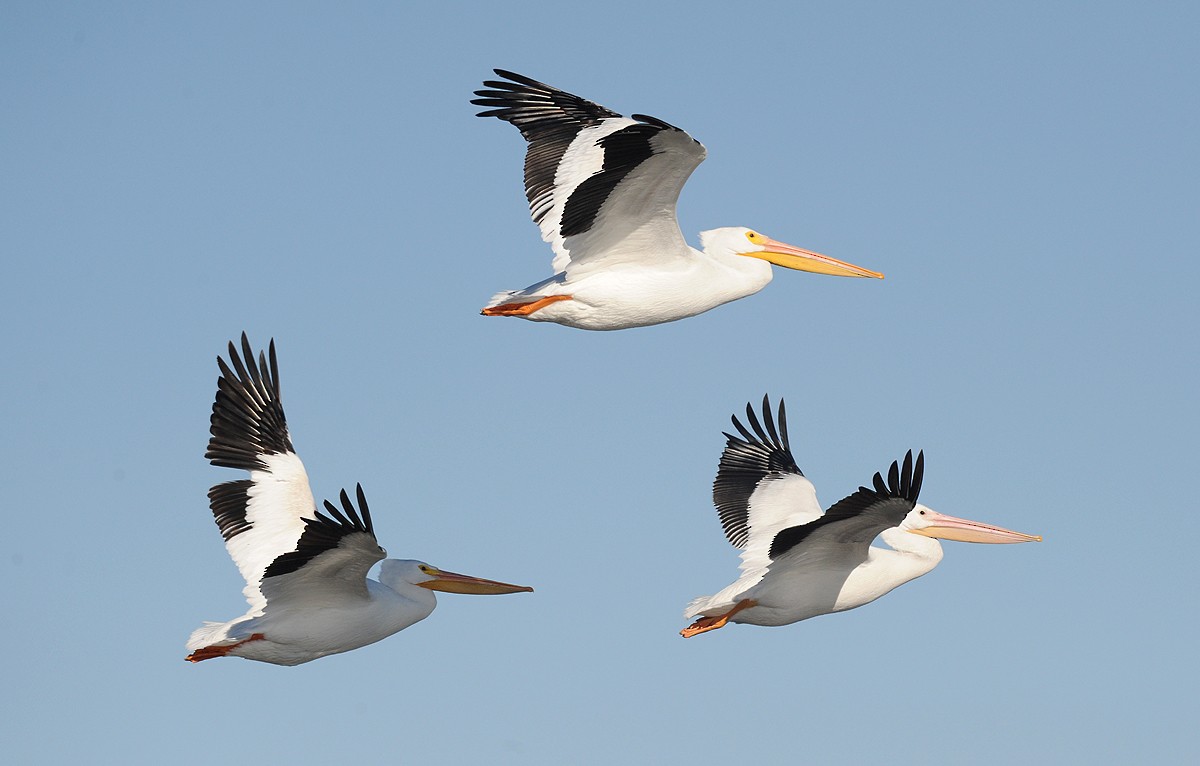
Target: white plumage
point(798, 562)
point(603, 189)
point(305, 571)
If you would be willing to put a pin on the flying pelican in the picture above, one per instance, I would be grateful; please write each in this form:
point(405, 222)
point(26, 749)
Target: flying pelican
point(305, 571)
point(798, 563)
point(603, 189)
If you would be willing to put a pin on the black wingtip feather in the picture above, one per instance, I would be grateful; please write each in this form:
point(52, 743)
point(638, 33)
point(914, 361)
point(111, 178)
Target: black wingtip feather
point(903, 484)
point(918, 475)
point(510, 75)
point(333, 513)
point(549, 120)
point(655, 122)
point(228, 503)
point(247, 419)
point(782, 419)
point(761, 453)
point(537, 109)
point(325, 532)
point(366, 512)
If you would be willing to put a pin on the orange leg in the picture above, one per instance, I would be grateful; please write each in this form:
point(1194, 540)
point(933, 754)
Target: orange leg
point(705, 624)
point(208, 652)
point(522, 309)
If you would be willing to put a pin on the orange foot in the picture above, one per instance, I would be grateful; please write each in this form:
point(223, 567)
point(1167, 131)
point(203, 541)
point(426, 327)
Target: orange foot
point(208, 652)
point(519, 309)
point(705, 624)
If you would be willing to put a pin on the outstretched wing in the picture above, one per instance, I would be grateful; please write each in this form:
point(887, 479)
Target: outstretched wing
point(270, 517)
point(853, 522)
point(759, 490)
point(593, 178)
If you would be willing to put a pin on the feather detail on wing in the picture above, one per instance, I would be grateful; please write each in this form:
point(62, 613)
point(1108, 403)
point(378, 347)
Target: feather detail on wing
point(593, 178)
point(261, 518)
point(759, 490)
point(858, 519)
point(331, 558)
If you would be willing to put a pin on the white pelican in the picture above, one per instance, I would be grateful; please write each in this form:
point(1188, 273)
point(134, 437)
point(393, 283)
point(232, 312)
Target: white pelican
point(603, 189)
point(305, 571)
point(798, 563)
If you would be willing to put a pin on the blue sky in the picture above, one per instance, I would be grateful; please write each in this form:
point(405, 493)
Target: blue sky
point(1025, 174)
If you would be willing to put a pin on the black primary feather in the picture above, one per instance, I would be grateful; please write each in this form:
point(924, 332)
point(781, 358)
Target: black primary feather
point(550, 119)
point(325, 532)
point(228, 503)
point(895, 499)
point(655, 122)
point(247, 423)
point(624, 150)
point(761, 453)
point(247, 415)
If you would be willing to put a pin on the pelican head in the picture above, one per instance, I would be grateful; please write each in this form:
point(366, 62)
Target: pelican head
point(738, 240)
point(396, 573)
point(922, 520)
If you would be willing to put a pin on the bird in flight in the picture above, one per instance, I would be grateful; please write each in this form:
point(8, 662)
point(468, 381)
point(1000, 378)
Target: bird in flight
point(305, 570)
point(799, 561)
point(603, 189)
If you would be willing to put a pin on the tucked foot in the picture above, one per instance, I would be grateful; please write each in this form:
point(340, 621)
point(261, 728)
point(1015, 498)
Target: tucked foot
point(705, 624)
point(208, 652)
point(522, 309)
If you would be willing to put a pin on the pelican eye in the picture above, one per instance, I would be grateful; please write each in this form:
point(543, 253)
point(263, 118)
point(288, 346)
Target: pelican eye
point(922, 513)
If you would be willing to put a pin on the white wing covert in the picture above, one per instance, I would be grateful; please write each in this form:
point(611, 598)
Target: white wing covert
point(261, 517)
point(851, 524)
point(331, 559)
point(592, 177)
point(759, 490)
point(273, 531)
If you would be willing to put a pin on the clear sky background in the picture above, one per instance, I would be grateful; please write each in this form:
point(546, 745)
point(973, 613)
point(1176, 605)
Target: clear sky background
point(1025, 174)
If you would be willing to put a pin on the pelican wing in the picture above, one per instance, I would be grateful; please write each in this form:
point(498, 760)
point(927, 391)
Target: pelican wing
point(594, 178)
point(271, 516)
point(848, 527)
point(759, 490)
point(331, 558)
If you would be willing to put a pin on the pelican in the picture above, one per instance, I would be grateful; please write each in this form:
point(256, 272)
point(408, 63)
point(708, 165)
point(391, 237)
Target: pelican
point(603, 190)
point(798, 563)
point(305, 571)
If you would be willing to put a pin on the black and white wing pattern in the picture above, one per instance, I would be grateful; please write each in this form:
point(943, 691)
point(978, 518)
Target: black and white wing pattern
point(759, 490)
point(270, 523)
point(853, 522)
point(593, 177)
point(332, 556)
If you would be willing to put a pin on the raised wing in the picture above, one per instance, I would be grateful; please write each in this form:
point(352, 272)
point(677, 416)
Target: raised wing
point(759, 490)
point(269, 517)
point(853, 522)
point(594, 178)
